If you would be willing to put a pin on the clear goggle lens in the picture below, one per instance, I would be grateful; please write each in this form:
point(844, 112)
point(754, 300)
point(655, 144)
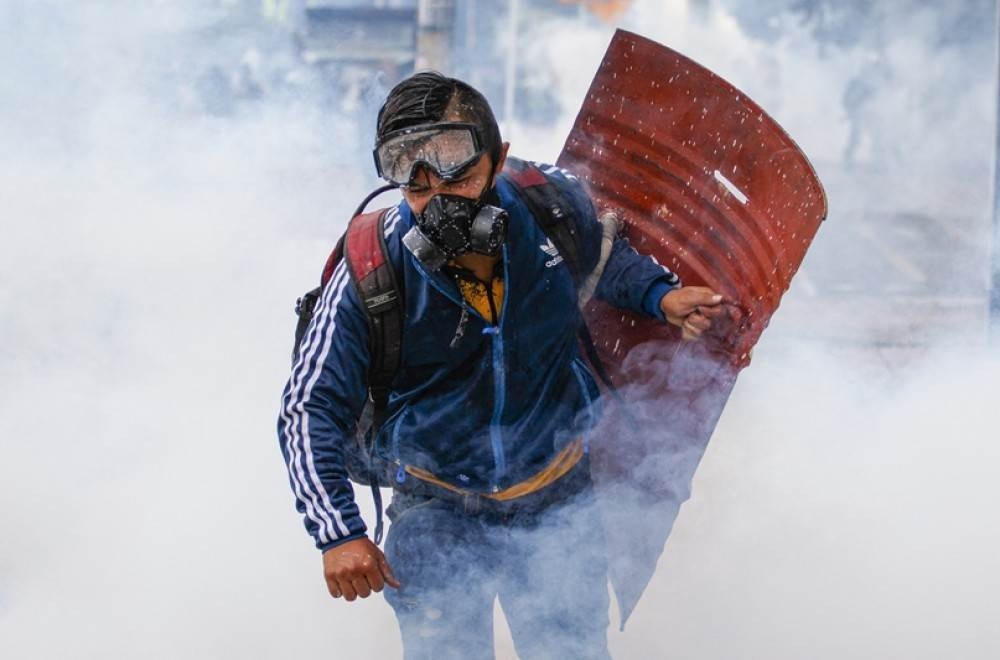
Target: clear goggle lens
point(447, 150)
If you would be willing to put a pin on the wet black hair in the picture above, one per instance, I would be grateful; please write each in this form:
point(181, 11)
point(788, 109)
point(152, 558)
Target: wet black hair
point(425, 98)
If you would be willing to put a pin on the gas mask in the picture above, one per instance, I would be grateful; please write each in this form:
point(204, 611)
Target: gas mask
point(451, 225)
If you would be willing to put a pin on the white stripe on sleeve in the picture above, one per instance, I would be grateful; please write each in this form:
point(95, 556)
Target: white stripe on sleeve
point(292, 412)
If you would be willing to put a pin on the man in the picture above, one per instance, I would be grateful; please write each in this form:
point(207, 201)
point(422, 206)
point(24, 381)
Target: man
point(486, 428)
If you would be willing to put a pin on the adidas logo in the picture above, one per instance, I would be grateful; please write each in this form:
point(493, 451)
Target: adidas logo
point(550, 249)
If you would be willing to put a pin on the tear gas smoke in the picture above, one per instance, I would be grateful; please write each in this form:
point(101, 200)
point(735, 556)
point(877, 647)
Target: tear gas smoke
point(159, 221)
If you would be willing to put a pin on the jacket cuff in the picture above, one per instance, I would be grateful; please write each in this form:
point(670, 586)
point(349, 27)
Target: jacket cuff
point(323, 547)
point(654, 294)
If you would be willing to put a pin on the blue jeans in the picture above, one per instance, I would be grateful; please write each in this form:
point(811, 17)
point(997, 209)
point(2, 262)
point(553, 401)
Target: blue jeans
point(548, 567)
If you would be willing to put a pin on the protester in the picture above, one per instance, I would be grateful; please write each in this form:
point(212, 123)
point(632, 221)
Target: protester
point(485, 438)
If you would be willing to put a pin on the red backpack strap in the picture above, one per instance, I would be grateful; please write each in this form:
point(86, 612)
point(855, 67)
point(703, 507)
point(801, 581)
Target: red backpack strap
point(525, 174)
point(365, 252)
point(374, 279)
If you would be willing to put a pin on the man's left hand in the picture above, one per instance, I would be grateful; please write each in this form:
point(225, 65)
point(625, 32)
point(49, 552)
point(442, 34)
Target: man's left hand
point(692, 309)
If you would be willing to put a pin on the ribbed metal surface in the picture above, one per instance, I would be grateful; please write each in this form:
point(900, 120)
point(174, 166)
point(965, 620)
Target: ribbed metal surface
point(714, 189)
point(710, 185)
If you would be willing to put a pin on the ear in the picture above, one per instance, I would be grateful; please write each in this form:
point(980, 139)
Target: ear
point(503, 159)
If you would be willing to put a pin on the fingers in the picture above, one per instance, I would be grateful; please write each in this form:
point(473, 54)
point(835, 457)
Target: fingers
point(351, 586)
point(679, 303)
point(347, 589)
point(386, 570)
point(374, 576)
point(361, 587)
point(374, 580)
point(710, 312)
point(341, 587)
point(700, 295)
point(689, 331)
point(698, 321)
point(356, 570)
point(693, 309)
point(693, 326)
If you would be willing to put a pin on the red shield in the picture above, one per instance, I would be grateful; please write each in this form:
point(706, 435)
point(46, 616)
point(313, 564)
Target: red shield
point(718, 192)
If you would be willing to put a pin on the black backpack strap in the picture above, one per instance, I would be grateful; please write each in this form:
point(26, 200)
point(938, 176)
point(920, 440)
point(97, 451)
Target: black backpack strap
point(551, 210)
point(305, 309)
point(305, 306)
point(553, 214)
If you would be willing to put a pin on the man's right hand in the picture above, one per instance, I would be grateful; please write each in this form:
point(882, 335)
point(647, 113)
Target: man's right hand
point(356, 568)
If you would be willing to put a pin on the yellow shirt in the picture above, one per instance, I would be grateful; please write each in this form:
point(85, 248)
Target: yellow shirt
point(475, 294)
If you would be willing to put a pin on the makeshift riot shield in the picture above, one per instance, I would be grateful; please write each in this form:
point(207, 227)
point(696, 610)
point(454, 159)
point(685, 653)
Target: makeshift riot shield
point(718, 192)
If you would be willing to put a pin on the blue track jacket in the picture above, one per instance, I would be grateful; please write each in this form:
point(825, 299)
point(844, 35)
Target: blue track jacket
point(482, 412)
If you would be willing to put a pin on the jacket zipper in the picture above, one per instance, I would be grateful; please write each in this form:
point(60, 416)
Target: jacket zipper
point(495, 330)
point(499, 382)
point(489, 298)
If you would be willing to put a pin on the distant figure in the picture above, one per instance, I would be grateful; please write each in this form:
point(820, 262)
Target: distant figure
point(248, 80)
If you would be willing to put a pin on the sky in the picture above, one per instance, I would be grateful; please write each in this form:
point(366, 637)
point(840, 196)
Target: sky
point(152, 253)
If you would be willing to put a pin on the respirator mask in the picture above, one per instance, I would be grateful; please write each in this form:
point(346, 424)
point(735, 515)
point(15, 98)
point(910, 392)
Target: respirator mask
point(450, 225)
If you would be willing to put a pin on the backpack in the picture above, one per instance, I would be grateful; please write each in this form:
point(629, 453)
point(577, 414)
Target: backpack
point(374, 279)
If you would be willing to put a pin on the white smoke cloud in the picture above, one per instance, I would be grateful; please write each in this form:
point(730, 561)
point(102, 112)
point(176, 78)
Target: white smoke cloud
point(149, 260)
